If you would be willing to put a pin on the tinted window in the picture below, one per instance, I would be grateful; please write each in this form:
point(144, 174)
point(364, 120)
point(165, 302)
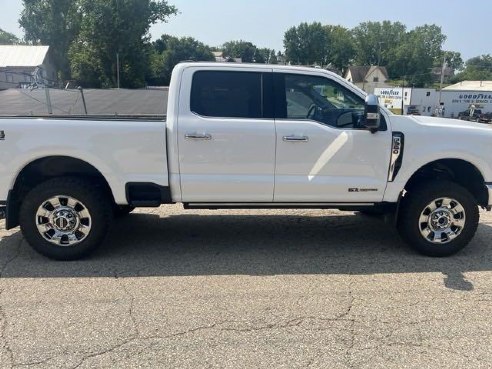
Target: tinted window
point(317, 98)
point(227, 94)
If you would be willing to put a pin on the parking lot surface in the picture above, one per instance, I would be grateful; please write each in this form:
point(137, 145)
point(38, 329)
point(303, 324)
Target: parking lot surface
point(247, 289)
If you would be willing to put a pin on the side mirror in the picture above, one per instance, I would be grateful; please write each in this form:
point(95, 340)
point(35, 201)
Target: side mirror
point(371, 113)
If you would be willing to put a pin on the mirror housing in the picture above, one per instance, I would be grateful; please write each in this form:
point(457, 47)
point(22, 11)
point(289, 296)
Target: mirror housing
point(371, 113)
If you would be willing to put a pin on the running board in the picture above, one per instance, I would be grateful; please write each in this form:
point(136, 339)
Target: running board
point(279, 205)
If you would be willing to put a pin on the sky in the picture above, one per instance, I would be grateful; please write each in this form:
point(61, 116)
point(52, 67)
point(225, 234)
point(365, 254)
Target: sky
point(264, 22)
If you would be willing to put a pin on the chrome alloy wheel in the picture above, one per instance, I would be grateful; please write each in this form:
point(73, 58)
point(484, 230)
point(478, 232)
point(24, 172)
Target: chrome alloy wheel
point(63, 221)
point(442, 220)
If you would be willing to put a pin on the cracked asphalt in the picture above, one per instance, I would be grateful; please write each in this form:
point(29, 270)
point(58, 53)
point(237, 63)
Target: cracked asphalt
point(247, 289)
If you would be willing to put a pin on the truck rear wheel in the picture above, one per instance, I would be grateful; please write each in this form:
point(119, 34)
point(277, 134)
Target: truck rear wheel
point(438, 218)
point(65, 218)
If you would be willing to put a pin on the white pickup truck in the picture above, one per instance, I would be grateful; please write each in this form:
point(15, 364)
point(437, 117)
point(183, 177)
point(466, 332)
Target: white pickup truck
point(246, 136)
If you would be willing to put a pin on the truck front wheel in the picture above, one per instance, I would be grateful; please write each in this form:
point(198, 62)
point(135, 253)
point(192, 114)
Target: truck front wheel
point(65, 218)
point(438, 218)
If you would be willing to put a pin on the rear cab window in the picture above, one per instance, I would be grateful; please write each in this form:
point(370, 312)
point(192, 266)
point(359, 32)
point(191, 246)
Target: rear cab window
point(230, 94)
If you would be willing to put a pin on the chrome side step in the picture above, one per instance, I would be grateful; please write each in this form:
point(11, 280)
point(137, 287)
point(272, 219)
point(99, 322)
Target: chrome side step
point(274, 205)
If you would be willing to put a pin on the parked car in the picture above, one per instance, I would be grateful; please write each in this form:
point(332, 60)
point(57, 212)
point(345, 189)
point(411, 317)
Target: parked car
point(485, 118)
point(413, 110)
point(467, 115)
point(246, 136)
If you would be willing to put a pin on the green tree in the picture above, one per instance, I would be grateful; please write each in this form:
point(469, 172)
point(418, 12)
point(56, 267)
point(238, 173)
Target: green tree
point(240, 49)
point(420, 51)
point(273, 58)
point(407, 55)
point(264, 56)
point(478, 68)
point(280, 59)
point(375, 42)
point(54, 23)
point(261, 56)
point(7, 38)
point(111, 28)
point(306, 44)
point(169, 51)
point(453, 60)
point(341, 50)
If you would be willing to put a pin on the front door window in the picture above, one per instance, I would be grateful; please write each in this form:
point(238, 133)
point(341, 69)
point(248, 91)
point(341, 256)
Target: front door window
point(319, 99)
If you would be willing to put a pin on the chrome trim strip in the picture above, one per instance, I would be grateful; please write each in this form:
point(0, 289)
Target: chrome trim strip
point(280, 204)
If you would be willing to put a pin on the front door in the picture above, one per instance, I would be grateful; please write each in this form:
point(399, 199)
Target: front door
point(323, 152)
point(226, 136)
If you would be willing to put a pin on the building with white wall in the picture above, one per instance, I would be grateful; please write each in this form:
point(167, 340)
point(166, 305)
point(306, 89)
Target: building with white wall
point(464, 95)
point(412, 100)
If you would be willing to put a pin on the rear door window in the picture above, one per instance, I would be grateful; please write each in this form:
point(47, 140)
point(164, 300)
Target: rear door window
point(227, 94)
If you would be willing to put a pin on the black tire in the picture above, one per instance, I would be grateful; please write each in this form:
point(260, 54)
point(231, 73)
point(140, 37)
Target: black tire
point(415, 204)
point(121, 211)
point(91, 199)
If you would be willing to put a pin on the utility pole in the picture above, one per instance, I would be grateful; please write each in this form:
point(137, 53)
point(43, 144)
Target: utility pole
point(118, 52)
point(442, 81)
point(403, 97)
point(83, 99)
point(48, 100)
point(379, 54)
point(118, 69)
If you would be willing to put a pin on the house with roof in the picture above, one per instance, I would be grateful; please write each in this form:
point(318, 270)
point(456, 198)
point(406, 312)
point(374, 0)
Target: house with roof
point(367, 77)
point(24, 65)
point(221, 58)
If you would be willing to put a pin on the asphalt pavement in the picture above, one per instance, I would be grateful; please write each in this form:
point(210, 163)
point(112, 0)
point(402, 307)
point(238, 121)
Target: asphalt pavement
point(247, 289)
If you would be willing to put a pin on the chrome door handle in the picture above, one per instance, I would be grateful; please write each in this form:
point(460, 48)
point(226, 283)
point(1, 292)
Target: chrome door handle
point(198, 136)
point(296, 138)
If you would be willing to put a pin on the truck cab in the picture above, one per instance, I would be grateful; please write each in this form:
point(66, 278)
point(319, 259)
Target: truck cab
point(263, 135)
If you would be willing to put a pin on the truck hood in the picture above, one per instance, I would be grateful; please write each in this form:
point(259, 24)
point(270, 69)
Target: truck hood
point(409, 123)
point(450, 123)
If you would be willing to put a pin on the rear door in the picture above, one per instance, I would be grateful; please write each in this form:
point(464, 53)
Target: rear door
point(226, 135)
